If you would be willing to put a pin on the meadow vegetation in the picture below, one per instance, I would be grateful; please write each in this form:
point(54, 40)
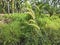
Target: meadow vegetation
point(29, 22)
point(22, 29)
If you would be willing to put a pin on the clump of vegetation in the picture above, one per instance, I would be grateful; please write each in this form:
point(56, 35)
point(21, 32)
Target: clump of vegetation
point(23, 31)
point(30, 22)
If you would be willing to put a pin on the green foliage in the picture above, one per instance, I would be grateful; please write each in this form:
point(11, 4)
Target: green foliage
point(21, 30)
point(11, 6)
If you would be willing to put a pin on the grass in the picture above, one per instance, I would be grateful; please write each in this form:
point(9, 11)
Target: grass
point(21, 29)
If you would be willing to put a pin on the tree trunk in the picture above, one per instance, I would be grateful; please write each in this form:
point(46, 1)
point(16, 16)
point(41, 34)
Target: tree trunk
point(12, 6)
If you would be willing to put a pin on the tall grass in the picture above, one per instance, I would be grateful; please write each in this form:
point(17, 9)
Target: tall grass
point(19, 29)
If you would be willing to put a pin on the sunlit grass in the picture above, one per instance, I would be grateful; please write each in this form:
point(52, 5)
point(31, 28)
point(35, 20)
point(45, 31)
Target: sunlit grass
point(22, 29)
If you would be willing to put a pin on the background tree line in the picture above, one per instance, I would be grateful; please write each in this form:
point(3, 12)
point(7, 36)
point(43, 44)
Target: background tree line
point(44, 6)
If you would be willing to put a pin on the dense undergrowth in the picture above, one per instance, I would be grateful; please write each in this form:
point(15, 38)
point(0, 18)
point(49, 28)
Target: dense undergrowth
point(22, 29)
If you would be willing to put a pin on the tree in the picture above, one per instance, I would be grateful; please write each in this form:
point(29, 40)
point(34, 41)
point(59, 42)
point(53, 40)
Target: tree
point(12, 6)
